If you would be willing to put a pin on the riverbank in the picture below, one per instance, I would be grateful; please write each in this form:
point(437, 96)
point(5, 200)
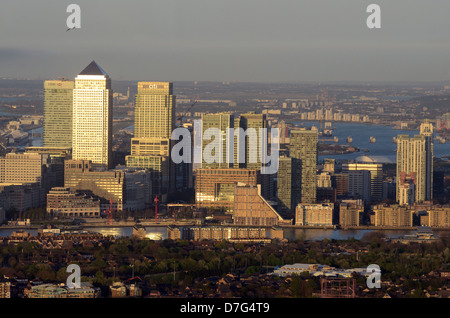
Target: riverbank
point(125, 224)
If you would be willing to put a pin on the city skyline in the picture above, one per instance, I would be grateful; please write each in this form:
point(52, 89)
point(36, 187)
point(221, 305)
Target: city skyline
point(227, 205)
point(276, 185)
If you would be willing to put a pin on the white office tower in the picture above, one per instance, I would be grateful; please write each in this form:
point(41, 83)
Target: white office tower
point(92, 117)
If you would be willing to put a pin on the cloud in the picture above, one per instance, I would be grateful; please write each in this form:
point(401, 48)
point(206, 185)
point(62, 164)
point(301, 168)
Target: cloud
point(8, 54)
point(24, 63)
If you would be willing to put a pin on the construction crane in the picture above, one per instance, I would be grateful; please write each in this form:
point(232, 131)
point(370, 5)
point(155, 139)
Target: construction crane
point(187, 111)
point(110, 210)
point(156, 209)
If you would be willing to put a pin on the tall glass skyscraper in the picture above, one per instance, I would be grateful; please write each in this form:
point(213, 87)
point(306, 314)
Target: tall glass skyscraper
point(154, 115)
point(92, 117)
point(154, 121)
point(251, 141)
point(58, 104)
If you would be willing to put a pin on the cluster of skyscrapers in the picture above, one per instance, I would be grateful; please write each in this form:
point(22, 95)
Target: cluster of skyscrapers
point(293, 182)
point(77, 146)
point(75, 165)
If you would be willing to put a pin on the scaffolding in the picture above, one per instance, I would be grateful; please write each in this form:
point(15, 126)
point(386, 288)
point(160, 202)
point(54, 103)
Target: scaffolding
point(337, 288)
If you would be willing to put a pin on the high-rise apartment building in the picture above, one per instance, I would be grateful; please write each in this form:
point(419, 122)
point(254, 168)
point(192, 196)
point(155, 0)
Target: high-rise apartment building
point(217, 157)
point(411, 164)
point(288, 185)
point(250, 144)
point(58, 105)
point(229, 142)
point(251, 125)
point(415, 163)
point(92, 117)
point(303, 146)
point(154, 121)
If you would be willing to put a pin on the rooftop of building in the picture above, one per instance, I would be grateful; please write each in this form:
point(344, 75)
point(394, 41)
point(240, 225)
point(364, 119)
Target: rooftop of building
point(93, 69)
point(318, 270)
point(373, 159)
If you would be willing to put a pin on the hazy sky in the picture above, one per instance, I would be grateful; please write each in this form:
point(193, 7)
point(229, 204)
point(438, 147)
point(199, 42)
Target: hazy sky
point(226, 40)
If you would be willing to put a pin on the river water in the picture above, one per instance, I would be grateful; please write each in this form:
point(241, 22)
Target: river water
point(160, 233)
point(383, 150)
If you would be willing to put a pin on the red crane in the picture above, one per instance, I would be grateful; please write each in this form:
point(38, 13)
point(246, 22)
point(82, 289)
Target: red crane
point(109, 215)
point(156, 209)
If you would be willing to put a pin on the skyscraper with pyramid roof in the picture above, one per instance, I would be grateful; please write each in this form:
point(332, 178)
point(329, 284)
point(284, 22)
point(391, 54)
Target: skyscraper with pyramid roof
point(92, 117)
